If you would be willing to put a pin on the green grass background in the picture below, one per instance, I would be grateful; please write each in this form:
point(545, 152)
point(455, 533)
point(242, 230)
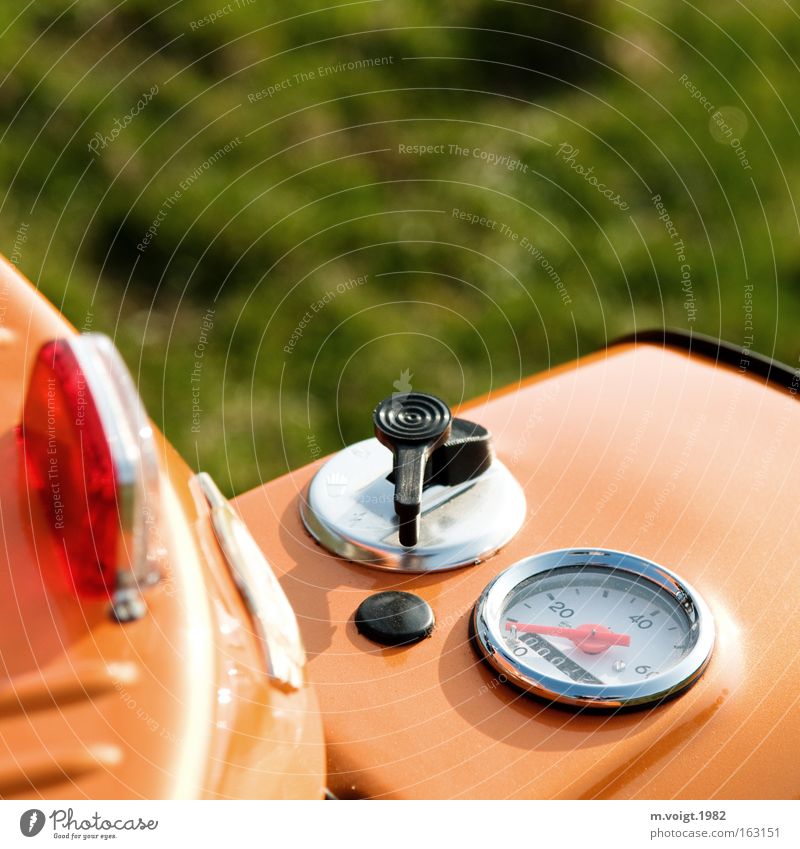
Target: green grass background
point(317, 191)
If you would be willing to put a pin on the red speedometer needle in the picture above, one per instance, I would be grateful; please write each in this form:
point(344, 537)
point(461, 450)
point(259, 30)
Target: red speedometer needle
point(591, 639)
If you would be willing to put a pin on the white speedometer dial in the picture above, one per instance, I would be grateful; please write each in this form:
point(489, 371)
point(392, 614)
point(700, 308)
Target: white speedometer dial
point(595, 628)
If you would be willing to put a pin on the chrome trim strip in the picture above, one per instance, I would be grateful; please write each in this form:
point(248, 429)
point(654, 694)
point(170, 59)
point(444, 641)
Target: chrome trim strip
point(273, 617)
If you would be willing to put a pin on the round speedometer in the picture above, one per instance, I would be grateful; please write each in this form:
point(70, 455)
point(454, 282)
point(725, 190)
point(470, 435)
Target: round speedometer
point(594, 628)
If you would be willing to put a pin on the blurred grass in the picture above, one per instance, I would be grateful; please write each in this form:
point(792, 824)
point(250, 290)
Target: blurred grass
point(317, 191)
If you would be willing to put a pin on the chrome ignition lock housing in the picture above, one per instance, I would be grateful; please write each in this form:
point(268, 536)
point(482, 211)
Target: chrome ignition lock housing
point(426, 494)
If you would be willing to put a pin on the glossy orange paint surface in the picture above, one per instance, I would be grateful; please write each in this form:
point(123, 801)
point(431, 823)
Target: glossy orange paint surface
point(669, 456)
point(176, 704)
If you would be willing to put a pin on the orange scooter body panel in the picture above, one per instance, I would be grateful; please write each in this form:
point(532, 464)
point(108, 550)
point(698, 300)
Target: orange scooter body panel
point(643, 449)
point(176, 704)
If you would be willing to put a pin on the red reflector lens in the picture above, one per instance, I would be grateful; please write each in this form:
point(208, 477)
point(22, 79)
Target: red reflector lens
point(69, 463)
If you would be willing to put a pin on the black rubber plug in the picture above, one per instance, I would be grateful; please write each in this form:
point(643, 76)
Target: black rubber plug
point(394, 618)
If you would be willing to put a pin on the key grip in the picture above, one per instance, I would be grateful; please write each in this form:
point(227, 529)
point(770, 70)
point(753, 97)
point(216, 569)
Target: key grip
point(412, 426)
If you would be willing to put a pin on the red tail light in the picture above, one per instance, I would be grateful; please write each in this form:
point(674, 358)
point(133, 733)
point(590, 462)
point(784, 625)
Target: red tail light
point(89, 454)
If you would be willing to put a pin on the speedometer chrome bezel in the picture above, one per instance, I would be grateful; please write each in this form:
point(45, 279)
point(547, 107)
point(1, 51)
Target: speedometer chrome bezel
point(489, 638)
